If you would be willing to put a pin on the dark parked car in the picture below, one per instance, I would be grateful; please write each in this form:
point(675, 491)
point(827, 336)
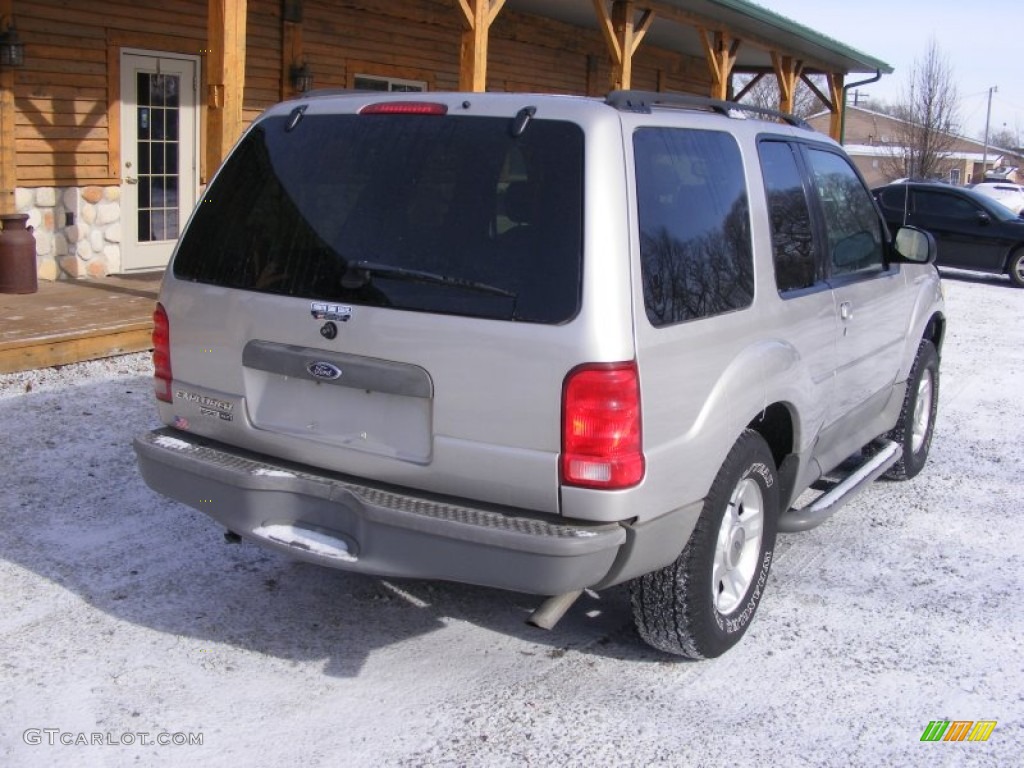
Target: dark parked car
point(971, 231)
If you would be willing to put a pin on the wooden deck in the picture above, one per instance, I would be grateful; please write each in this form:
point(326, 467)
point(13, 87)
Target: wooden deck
point(69, 321)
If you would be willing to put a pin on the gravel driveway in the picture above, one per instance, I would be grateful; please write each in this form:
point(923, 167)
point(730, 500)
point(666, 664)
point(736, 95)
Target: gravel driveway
point(132, 634)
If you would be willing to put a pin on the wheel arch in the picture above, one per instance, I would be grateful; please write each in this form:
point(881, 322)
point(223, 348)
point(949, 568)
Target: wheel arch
point(935, 331)
point(1011, 254)
point(778, 426)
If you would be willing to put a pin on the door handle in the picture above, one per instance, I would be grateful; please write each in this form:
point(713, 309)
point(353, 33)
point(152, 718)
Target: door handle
point(846, 310)
point(131, 179)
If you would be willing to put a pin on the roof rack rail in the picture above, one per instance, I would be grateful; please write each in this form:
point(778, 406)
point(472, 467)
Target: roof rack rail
point(643, 101)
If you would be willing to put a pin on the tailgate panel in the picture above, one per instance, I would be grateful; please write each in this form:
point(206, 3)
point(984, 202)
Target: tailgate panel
point(376, 406)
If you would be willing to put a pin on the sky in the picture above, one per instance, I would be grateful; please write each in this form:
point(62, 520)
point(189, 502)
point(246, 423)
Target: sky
point(980, 41)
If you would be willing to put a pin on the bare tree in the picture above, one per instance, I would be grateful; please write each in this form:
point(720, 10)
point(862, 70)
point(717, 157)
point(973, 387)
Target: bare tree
point(765, 94)
point(1004, 138)
point(928, 119)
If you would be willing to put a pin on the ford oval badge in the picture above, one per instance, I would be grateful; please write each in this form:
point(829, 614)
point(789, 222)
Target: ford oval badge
point(321, 369)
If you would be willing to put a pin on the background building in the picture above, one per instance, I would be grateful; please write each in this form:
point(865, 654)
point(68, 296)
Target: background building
point(873, 140)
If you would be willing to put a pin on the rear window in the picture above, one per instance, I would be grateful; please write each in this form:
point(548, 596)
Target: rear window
point(446, 214)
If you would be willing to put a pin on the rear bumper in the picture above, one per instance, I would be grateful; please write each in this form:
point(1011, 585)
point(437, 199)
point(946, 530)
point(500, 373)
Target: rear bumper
point(339, 522)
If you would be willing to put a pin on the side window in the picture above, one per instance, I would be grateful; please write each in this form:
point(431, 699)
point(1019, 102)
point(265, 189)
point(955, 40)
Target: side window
point(939, 204)
point(792, 240)
point(855, 242)
point(897, 198)
point(694, 219)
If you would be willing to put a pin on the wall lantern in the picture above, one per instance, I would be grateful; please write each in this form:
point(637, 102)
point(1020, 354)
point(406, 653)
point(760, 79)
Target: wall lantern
point(12, 50)
point(292, 11)
point(301, 77)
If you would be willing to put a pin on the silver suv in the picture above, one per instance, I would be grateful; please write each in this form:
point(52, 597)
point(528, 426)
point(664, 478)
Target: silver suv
point(542, 343)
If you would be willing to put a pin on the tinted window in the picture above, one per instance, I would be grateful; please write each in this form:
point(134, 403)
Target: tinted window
point(792, 241)
point(896, 198)
point(854, 231)
point(948, 206)
point(695, 251)
point(405, 211)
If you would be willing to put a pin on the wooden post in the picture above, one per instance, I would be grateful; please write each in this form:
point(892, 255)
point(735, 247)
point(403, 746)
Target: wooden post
point(622, 24)
point(834, 100)
point(478, 16)
point(787, 72)
point(720, 52)
point(623, 35)
point(225, 77)
point(8, 158)
point(835, 89)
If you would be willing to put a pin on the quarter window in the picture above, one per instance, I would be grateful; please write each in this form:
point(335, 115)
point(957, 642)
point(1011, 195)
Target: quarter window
point(694, 219)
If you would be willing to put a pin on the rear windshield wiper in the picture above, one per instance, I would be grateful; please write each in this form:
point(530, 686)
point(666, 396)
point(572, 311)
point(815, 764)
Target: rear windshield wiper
point(359, 274)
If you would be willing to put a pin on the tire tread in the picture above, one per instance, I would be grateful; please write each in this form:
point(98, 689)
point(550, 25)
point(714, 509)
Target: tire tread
point(902, 470)
point(664, 611)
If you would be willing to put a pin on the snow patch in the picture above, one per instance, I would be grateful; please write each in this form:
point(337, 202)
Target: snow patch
point(166, 441)
point(272, 473)
point(314, 542)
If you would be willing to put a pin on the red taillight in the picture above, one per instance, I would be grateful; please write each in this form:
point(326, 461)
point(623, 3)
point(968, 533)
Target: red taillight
point(405, 108)
point(601, 445)
point(161, 354)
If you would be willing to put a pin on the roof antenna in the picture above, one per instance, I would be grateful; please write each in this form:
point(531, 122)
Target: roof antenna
point(522, 119)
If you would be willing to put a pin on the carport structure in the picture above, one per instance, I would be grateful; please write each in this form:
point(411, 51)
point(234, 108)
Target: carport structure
point(733, 37)
point(75, 110)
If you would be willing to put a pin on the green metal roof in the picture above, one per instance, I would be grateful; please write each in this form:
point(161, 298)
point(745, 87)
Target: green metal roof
point(761, 28)
point(792, 34)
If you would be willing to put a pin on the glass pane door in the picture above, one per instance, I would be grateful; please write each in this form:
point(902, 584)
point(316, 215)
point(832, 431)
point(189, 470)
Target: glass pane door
point(159, 117)
point(159, 154)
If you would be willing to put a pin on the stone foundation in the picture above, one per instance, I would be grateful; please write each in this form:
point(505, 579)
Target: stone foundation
point(77, 229)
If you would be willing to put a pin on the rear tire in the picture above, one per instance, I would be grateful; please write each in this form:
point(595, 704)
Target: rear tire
point(913, 432)
point(701, 605)
point(1016, 267)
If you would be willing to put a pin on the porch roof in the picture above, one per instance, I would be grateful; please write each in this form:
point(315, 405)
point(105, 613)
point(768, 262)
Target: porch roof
point(676, 23)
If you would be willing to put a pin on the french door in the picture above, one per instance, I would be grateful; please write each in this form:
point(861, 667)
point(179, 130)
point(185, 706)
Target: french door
point(159, 154)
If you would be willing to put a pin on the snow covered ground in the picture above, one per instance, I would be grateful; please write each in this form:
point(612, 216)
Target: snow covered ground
point(127, 620)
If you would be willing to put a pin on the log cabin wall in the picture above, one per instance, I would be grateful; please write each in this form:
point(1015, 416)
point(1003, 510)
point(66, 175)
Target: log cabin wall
point(263, 75)
point(416, 41)
point(67, 131)
point(67, 136)
point(419, 41)
point(63, 125)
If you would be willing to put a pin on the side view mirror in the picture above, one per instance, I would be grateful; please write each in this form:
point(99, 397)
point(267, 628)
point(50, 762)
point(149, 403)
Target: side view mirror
point(983, 218)
point(915, 245)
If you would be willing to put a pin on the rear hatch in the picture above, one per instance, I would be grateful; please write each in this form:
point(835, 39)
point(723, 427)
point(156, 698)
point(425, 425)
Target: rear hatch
point(387, 291)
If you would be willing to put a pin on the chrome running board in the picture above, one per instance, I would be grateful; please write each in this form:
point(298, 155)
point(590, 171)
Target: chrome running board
point(821, 509)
